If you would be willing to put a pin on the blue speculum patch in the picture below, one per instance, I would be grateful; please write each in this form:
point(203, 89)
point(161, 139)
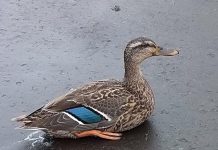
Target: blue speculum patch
point(84, 114)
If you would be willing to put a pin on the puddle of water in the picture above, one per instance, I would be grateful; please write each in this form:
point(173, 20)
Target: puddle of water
point(34, 141)
point(38, 138)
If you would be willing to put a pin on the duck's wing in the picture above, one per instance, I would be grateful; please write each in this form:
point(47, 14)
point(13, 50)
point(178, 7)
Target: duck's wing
point(93, 106)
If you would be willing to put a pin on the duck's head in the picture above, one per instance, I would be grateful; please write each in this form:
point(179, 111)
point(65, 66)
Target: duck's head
point(141, 48)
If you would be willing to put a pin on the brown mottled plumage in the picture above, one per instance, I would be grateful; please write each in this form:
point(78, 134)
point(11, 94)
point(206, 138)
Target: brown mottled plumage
point(122, 105)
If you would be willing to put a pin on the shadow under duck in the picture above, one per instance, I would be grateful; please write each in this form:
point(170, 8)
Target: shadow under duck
point(102, 108)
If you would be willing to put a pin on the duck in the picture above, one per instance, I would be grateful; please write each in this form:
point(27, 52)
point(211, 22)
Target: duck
point(103, 108)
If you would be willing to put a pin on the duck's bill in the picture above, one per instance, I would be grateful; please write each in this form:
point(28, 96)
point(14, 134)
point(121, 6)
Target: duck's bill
point(171, 52)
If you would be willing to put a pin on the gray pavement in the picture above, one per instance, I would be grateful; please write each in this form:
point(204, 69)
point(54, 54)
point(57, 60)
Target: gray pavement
point(48, 46)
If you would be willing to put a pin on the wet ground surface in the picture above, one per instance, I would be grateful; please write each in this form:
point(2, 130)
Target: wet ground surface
point(47, 47)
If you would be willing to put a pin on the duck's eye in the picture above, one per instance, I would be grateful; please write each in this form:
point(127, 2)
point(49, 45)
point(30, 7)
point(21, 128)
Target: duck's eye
point(152, 45)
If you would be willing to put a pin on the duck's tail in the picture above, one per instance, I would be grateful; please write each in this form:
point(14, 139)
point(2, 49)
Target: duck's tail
point(22, 119)
point(27, 120)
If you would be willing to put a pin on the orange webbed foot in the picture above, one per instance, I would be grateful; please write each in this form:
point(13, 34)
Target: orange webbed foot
point(101, 134)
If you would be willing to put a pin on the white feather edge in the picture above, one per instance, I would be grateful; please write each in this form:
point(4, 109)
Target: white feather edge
point(103, 114)
point(135, 44)
point(73, 118)
point(30, 128)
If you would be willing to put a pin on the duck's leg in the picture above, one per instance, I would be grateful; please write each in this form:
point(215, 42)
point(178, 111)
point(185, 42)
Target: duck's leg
point(101, 134)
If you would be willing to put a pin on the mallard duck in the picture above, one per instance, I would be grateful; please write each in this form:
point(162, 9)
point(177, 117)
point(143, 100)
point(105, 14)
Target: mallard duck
point(103, 108)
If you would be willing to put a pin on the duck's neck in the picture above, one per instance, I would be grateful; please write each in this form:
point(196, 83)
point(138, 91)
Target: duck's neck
point(133, 74)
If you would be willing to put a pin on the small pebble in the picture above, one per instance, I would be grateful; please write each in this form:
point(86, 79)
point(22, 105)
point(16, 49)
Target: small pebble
point(23, 65)
point(116, 8)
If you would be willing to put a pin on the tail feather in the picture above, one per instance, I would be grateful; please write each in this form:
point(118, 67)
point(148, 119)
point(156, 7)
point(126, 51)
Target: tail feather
point(20, 118)
point(28, 118)
point(23, 119)
point(32, 121)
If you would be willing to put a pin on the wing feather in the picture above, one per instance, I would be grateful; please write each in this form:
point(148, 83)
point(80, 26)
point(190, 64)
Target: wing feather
point(104, 96)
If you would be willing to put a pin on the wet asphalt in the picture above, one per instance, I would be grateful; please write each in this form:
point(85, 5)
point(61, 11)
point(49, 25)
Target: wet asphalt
point(47, 47)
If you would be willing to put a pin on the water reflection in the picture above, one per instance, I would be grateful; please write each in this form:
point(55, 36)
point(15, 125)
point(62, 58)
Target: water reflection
point(142, 137)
